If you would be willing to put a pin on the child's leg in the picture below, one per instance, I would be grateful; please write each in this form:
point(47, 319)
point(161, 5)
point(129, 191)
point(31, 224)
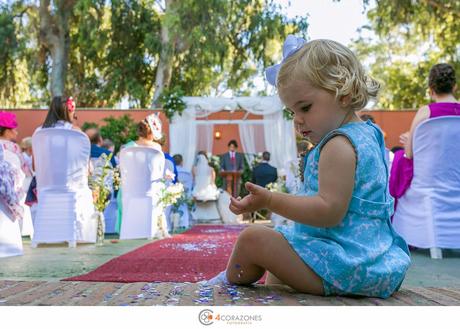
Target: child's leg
point(260, 248)
point(271, 279)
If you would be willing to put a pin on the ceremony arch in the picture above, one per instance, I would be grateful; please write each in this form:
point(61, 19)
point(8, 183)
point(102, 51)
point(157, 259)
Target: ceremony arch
point(277, 132)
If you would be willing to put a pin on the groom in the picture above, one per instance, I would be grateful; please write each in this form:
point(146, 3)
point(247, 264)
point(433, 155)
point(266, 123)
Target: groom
point(232, 161)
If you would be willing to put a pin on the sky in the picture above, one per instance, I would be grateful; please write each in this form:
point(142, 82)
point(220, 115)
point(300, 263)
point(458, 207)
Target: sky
point(327, 19)
point(338, 21)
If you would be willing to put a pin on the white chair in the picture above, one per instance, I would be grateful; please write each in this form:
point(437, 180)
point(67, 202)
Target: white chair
point(10, 234)
point(65, 204)
point(428, 214)
point(140, 167)
point(186, 178)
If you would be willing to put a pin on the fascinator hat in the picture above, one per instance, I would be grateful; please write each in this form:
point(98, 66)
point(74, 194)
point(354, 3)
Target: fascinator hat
point(8, 120)
point(291, 45)
point(154, 122)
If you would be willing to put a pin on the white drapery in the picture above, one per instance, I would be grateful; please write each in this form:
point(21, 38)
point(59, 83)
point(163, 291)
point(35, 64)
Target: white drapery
point(253, 140)
point(278, 133)
point(182, 133)
point(280, 140)
point(205, 136)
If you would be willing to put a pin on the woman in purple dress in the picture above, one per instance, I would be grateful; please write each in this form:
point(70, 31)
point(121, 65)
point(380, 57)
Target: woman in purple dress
point(442, 85)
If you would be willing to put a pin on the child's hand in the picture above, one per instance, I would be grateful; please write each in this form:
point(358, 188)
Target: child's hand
point(258, 198)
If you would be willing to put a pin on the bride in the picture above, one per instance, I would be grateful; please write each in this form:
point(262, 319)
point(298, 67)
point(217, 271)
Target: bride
point(204, 176)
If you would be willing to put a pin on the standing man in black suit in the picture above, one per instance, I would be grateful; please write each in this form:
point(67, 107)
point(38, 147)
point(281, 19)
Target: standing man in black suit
point(264, 173)
point(232, 161)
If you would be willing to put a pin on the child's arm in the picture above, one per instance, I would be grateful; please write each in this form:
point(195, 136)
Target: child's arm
point(326, 209)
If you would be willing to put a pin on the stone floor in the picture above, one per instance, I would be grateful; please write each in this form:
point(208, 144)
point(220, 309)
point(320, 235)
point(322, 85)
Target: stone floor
point(33, 279)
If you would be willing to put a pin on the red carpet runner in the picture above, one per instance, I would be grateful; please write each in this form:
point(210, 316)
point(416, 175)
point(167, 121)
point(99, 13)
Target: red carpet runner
point(195, 255)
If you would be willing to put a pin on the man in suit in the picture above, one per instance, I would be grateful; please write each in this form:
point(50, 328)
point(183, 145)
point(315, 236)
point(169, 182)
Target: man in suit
point(264, 173)
point(232, 161)
point(96, 145)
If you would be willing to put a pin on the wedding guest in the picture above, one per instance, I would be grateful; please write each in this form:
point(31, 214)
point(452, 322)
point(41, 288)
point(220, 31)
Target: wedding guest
point(149, 134)
point(264, 173)
point(441, 85)
point(12, 151)
point(26, 147)
point(183, 175)
point(10, 190)
point(97, 148)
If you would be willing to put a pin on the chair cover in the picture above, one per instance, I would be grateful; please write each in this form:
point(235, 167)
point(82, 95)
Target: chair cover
point(65, 203)
point(10, 234)
point(186, 178)
point(225, 213)
point(428, 214)
point(140, 168)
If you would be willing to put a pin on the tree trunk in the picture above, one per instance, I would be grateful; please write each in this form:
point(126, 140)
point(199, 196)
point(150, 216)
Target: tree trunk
point(54, 34)
point(164, 68)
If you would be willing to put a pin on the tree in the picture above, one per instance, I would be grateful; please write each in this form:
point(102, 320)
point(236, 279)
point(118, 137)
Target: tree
point(104, 51)
point(54, 35)
point(412, 36)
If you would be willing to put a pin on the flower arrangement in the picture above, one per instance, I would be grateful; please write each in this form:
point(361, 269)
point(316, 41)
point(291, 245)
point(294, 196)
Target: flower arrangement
point(278, 186)
point(171, 101)
point(101, 182)
point(169, 195)
point(257, 159)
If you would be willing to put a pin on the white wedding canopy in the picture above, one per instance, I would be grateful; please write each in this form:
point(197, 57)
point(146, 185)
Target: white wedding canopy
point(186, 132)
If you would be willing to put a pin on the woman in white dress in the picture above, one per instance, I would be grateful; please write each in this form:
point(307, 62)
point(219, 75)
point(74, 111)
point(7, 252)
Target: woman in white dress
point(204, 176)
point(11, 210)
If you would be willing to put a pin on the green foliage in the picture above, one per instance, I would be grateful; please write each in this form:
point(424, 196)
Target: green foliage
point(287, 114)
point(98, 183)
point(88, 125)
point(119, 130)
point(115, 45)
point(171, 102)
point(413, 36)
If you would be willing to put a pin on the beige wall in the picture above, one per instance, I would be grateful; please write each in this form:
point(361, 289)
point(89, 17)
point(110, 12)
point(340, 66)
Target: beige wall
point(392, 122)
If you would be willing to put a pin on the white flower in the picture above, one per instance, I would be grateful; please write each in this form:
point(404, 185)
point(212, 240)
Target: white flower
point(169, 175)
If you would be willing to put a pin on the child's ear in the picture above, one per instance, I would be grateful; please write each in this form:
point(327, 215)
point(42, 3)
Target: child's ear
point(344, 101)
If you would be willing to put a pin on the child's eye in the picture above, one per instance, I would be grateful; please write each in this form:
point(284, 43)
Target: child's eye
point(305, 108)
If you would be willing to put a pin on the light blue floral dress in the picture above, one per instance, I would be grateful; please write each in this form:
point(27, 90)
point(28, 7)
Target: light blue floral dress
point(362, 255)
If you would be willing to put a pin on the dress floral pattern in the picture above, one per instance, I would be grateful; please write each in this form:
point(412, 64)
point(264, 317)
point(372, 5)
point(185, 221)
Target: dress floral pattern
point(10, 191)
point(362, 255)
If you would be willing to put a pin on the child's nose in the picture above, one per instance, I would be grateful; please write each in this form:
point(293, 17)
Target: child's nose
point(298, 120)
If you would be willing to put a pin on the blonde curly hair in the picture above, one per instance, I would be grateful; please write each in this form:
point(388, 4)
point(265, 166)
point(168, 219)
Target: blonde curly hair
point(329, 65)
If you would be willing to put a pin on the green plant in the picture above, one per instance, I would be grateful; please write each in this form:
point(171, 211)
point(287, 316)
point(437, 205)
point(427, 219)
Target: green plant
point(288, 114)
point(171, 102)
point(100, 183)
point(88, 125)
point(119, 130)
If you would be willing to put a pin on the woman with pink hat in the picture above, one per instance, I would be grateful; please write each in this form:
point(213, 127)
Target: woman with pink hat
point(12, 151)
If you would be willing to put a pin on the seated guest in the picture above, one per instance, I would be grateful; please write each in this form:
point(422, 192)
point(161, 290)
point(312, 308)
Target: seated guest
point(184, 176)
point(366, 117)
point(10, 190)
point(12, 151)
point(26, 147)
point(149, 134)
point(96, 145)
point(264, 173)
point(441, 85)
point(61, 115)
